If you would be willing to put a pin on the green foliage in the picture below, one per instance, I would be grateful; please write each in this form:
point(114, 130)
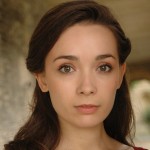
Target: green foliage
point(147, 116)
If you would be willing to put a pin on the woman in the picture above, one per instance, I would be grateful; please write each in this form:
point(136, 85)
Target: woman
point(81, 101)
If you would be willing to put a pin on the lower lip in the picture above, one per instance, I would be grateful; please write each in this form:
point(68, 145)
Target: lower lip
point(87, 109)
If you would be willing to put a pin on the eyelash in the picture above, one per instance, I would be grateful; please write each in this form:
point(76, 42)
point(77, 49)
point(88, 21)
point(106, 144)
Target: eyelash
point(69, 69)
point(105, 68)
point(61, 69)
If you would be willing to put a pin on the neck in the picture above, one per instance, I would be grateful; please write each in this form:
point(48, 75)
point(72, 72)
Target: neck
point(74, 138)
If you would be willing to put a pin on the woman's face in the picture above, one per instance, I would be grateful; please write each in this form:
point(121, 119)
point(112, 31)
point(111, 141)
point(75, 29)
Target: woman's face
point(82, 74)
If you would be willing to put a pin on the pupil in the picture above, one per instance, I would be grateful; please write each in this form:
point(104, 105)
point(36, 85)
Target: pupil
point(67, 69)
point(103, 68)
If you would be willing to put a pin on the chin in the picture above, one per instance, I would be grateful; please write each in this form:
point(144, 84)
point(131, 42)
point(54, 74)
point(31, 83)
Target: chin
point(89, 123)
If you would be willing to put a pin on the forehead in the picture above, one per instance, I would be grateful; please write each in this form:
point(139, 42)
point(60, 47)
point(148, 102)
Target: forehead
point(85, 38)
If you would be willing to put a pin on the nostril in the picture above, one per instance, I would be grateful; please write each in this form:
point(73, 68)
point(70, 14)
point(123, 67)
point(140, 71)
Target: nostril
point(86, 86)
point(87, 92)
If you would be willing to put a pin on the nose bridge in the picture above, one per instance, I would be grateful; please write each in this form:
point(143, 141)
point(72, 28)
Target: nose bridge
point(87, 83)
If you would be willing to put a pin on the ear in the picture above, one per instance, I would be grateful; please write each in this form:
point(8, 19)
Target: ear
point(40, 77)
point(121, 74)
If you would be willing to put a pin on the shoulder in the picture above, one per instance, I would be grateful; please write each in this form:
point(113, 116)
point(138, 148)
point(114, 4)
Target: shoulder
point(139, 148)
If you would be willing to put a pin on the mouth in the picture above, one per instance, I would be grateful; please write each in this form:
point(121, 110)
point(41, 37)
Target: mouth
point(87, 108)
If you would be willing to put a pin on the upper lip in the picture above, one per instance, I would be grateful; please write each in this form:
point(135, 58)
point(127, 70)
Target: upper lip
point(87, 105)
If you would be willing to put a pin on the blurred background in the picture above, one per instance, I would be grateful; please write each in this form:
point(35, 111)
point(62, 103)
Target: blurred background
point(18, 19)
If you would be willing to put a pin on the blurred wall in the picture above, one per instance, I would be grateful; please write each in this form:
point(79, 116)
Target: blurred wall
point(18, 18)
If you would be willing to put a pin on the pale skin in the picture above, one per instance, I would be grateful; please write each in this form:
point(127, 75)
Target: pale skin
point(82, 73)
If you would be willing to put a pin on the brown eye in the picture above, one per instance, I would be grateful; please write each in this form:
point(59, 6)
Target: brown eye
point(66, 69)
point(105, 68)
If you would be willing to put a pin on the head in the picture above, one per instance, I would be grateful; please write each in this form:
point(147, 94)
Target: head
point(56, 25)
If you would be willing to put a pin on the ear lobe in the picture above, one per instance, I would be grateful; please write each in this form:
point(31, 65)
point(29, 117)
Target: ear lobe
point(121, 74)
point(40, 77)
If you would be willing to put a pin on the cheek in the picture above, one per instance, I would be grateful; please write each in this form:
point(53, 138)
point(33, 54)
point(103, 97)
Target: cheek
point(58, 98)
point(108, 85)
point(107, 92)
point(60, 93)
point(108, 101)
point(60, 87)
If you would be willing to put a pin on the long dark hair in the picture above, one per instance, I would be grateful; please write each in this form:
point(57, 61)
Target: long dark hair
point(42, 130)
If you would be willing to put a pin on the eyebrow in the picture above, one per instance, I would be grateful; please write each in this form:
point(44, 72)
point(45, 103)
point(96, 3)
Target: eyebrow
point(69, 57)
point(104, 56)
point(74, 58)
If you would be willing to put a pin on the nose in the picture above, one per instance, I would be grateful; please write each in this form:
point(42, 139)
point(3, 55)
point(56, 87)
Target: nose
point(87, 85)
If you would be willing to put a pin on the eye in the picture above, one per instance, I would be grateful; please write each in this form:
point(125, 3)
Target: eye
point(105, 68)
point(66, 69)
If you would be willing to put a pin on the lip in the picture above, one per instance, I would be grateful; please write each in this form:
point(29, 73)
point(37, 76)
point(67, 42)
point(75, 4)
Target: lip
point(87, 108)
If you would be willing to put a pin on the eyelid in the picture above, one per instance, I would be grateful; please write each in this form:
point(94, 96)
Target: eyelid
point(105, 65)
point(66, 65)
